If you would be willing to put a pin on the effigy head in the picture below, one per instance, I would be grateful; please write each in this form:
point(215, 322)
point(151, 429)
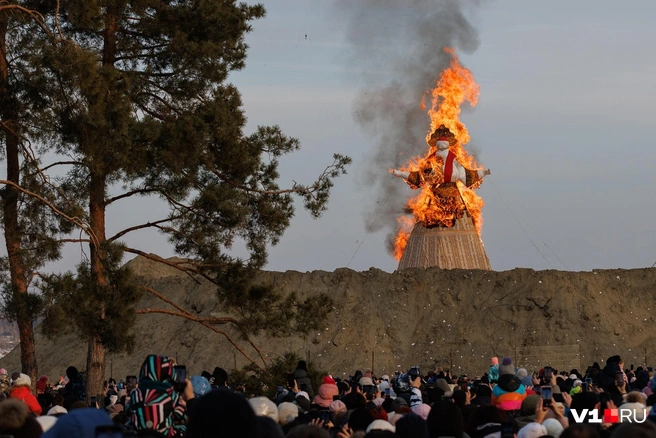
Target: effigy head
point(442, 138)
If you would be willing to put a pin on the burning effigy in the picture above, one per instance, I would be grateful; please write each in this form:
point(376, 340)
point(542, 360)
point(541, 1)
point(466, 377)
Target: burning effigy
point(446, 221)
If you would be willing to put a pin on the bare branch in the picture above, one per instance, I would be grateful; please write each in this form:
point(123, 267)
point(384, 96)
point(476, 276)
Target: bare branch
point(77, 221)
point(128, 194)
point(62, 163)
point(140, 227)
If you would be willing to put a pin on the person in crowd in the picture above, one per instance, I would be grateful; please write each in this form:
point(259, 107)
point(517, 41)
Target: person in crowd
point(155, 407)
point(75, 388)
point(302, 379)
point(510, 392)
point(22, 390)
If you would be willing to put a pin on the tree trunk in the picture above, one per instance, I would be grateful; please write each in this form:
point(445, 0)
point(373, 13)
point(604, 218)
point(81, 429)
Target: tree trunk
point(10, 196)
point(96, 351)
point(98, 181)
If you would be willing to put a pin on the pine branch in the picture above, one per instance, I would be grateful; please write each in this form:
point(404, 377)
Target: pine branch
point(128, 194)
point(77, 221)
point(140, 227)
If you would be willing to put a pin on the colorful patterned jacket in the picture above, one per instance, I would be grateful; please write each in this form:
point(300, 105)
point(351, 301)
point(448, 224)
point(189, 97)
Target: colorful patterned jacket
point(154, 405)
point(509, 393)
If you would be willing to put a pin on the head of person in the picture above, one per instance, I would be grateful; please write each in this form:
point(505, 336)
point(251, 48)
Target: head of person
point(445, 419)
point(222, 412)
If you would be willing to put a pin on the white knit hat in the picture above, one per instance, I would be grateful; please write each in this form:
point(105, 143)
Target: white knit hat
point(287, 412)
point(23, 380)
point(264, 407)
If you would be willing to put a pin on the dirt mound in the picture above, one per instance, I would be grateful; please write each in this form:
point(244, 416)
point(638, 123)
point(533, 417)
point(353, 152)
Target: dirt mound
point(454, 318)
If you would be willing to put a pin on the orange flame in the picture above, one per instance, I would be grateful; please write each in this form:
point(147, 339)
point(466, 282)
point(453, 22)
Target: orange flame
point(455, 86)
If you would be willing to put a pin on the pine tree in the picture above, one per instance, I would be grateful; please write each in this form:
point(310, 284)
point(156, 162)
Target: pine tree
point(142, 108)
point(30, 220)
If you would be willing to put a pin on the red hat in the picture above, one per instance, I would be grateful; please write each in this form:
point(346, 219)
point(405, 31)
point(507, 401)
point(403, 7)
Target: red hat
point(328, 380)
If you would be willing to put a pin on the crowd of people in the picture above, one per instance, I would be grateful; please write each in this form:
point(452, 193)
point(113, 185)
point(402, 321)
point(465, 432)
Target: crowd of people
point(503, 402)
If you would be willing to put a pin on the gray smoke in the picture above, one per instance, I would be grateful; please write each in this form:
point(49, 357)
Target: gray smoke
point(404, 38)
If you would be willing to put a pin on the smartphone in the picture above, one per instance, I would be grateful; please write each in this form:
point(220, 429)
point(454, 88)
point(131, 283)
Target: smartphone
point(291, 381)
point(548, 372)
point(546, 396)
point(325, 416)
point(631, 367)
point(115, 431)
point(180, 382)
point(585, 387)
point(507, 430)
point(92, 402)
point(619, 378)
point(388, 392)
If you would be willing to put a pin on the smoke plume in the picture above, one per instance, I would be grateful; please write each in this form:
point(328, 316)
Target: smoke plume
point(405, 39)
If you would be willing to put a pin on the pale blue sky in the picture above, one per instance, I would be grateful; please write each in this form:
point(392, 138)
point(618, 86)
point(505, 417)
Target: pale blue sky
point(564, 120)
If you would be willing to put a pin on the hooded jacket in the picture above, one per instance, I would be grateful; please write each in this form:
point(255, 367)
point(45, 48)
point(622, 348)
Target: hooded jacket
point(24, 394)
point(509, 393)
point(303, 381)
point(325, 394)
point(155, 406)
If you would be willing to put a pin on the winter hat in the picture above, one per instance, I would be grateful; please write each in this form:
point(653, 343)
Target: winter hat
point(380, 425)
point(494, 361)
point(553, 426)
point(57, 410)
point(532, 430)
point(222, 411)
point(302, 365)
point(385, 377)
point(529, 405)
point(16, 421)
point(527, 381)
point(383, 386)
point(270, 428)
point(521, 373)
point(302, 400)
point(264, 407)
point(287, 412)
point(46, 422)
point(398, 402)
point(23, 380)
point(366, 381)
point(411, 426)
point(41, 383)
point(337, 406)
point(506, 367)
point(328, 380)
point(80, 423)
point(200, 385)
point(422, 410)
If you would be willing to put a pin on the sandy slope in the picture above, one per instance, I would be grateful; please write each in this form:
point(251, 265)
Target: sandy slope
point(456, 318)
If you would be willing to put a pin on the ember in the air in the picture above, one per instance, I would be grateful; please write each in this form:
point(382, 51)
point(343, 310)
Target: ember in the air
point(447, 175)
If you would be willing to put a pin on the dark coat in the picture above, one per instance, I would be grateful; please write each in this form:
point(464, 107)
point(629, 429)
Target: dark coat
point(303, 382)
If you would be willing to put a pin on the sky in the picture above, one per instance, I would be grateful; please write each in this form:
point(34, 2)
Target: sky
point(564, 121)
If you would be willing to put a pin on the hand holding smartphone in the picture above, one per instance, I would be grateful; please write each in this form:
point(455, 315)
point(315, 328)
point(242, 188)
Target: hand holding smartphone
point(546, 395)
point(180, 382)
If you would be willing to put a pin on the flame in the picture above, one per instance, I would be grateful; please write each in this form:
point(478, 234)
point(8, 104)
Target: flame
point(455, 86)
point(401, 240)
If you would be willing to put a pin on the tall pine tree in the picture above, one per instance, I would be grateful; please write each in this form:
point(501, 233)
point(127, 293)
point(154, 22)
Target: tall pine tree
point(30, 219)
point(142, 108)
